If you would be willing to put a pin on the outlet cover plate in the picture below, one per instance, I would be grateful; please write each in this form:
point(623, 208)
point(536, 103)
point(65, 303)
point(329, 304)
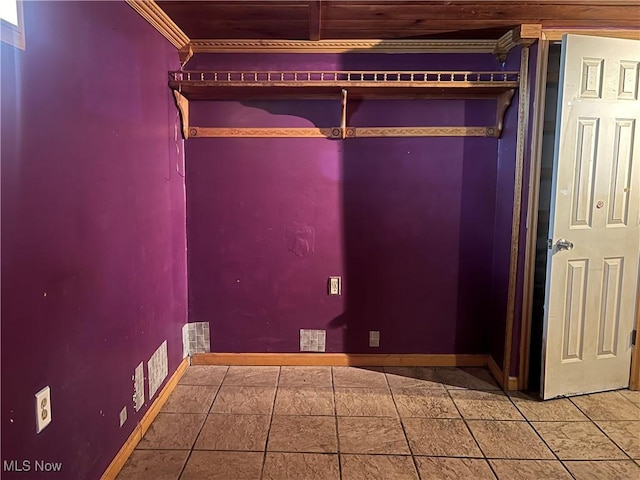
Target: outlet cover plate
point(43, 409)
point(123, 415)
point(138, 387)
point(335, 285)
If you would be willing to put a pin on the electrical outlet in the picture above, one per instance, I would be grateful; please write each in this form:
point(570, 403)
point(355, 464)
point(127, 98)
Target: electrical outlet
point(374, 338)
point(43, 409)
point(335, 285)
point(123, 415)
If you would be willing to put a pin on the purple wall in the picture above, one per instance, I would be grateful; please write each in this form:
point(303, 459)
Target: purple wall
point(408, 222)
point(93, 228)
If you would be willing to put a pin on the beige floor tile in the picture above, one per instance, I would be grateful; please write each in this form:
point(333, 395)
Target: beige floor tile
point(231, 399)
point(303, 434)
point(607, 406)
point(371, 435)
point(500, 439)
point(536, 410)
point(154, 465)
point(424, 402)
point(577, 441)
point(301, 466)
point(304, 401)
point(440, 437)
point(441, 468)
point(469, 378)
point(305, 377)
point(367, 402)
point(251, 376)
point(190, 399)
point(162, 433)
point(204, 465)
point(485, 405)
point(234, 432)
point(204, 375)
point(530, 470)
point(359, 377)
point(632, 396)
point(607, 470)
point(625, 434)
point(407, 377)
point(378, 467)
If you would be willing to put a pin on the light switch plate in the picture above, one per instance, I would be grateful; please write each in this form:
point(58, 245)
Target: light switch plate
point(43, 409)
point(123, 415)
point(335, 285)
point(138, 387)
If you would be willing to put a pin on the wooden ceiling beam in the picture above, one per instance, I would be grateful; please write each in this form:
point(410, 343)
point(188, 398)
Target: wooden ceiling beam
point(315, 19)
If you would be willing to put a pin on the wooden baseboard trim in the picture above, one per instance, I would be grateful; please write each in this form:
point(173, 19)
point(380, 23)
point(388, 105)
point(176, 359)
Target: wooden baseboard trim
point(141, 428)
point(498, 374)
point(495, 370)
point(342, 359)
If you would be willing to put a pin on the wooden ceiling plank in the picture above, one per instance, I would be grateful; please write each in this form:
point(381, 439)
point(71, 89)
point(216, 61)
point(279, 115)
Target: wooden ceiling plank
point(362, 13)
point(315, 19)
point(388, 19)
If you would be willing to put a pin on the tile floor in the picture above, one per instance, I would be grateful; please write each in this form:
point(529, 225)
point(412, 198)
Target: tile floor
point(323, 423)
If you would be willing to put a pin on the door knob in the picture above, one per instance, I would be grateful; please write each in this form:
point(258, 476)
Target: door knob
point(564, 244)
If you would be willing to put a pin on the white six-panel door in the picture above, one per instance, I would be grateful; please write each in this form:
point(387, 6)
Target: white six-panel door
point(592, 268)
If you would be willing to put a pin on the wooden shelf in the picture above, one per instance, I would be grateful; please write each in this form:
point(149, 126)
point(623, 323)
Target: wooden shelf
point(234, 85)
point(246, 85)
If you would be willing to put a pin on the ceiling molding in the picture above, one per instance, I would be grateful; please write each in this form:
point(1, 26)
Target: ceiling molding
point(555, 34)
point(343, 46)
point(153, 14)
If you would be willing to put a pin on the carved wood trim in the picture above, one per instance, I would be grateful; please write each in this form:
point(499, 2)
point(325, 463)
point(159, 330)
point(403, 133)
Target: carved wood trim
point(525, 35)
point(341, 132)
point(185, 53)
point(424, 132)
point(247, 132)
point(153, 14)
point(523, 121)
point(342, 46)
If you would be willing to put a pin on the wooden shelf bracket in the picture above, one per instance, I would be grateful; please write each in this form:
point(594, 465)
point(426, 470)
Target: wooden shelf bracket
point(183, 107)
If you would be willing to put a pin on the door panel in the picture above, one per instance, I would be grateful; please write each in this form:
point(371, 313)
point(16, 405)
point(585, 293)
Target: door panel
point(592, 265)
